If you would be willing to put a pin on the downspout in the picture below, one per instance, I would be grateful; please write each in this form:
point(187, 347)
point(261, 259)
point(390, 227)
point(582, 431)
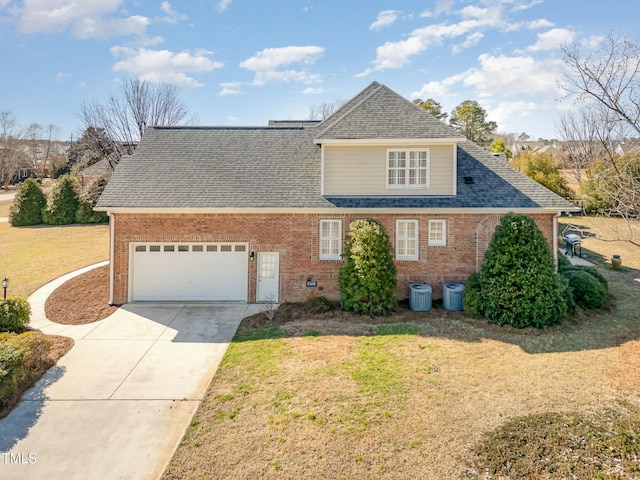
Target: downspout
point(555, 238)
point(112, 221)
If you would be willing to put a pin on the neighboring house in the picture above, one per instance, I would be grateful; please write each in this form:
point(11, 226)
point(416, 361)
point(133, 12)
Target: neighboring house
point(260, 213)
point(91, 174)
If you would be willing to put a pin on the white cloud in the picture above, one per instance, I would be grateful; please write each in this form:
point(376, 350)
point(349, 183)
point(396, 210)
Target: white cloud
point(519, 6)
point(231, 119)
point(109, 27)
point(230, 88)
point(540, 23)
point(85, 18)
point(474, 20)
point(163, 65)
point(171, 15)
point(61, 75)
point(431, 90)
point(471, 41)
point(223, 5)
point(552, 39)
point(507, 110)
point(313, 91)
point(267, 64)
point(502, 75)
point(386, 18)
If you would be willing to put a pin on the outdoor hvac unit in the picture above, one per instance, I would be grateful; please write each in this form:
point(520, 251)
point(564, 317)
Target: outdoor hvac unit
point(420, 297)
point(452, 296)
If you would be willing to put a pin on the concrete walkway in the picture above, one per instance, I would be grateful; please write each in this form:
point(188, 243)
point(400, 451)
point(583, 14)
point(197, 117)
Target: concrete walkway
point(117, 405)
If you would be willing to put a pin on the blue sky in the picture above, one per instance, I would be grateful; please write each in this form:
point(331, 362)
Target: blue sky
point(243, 62)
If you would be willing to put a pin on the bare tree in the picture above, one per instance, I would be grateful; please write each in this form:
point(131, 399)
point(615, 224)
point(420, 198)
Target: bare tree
point(125, 116)
point(12, 145)
point(609, 76)
point(607, 84)
point(324, 109)
point(41, 145)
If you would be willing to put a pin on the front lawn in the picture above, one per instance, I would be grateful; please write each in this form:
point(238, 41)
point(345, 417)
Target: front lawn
point(436, 396)
point(33, 256)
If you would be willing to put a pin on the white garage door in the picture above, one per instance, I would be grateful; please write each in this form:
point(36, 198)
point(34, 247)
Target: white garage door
point(189, 272)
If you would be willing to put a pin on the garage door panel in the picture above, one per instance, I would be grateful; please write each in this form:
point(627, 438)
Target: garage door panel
point(206, 274)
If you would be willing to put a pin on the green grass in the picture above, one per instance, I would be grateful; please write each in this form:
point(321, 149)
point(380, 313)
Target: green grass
point(33, 256)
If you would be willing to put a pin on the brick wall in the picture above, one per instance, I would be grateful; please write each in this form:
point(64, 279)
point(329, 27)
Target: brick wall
point(296, 238)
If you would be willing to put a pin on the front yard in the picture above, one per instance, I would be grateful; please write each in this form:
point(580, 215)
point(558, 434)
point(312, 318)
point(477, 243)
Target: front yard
point(317, 397)
point(33, 256)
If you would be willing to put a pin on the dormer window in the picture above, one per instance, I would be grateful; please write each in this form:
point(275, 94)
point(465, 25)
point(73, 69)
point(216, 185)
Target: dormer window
point(408, 168)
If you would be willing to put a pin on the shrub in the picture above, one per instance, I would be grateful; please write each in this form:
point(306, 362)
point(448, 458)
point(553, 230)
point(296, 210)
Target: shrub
point(23, 358)
point(588, 291)
point(10, 370)
point(27, 206)
point(14, 314)
point(472, 296)
point(567, 295)
point(563, 263)
point(86, 214)
point(318, 305)
point(368, 279)
point(63, 203)
point(519, 284)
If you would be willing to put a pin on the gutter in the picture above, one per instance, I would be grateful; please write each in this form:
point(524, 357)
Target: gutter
point(112, 220)
point(555, 238)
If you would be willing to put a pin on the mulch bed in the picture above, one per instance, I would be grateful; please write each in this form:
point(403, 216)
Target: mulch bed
point(83, 299)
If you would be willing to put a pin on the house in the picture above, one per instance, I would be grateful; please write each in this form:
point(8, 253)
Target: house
point(101, 169)
point(259, 214)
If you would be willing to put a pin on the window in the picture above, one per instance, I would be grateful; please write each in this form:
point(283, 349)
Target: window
point(406, 239)
point(330, 239)
point(408, 168)
point(437, 233)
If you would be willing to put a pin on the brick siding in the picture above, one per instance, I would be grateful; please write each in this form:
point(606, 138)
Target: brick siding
point(296, 238)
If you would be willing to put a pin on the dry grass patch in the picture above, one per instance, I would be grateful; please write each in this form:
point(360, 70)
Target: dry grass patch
point(4, 208)
point(33, 256)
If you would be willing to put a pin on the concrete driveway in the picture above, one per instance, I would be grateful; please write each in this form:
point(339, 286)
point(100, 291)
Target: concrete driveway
point(117, 405)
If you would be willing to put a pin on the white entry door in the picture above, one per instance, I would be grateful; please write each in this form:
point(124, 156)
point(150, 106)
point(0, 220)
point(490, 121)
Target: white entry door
point(268, 276)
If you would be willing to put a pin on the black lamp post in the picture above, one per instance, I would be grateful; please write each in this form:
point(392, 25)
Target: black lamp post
point(5, 284)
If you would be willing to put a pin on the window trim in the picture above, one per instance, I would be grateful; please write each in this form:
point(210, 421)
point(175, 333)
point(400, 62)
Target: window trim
point(407, 168)
point(438, 242)
point(338, 237)
point(416, 239)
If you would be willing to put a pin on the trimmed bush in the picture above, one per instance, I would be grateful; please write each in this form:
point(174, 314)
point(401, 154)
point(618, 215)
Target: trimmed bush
point(472, 296)
point(63, 203)
point(368, 279)
point(10, 370)
point(588, 291)
point(14, 314)
point(563, 263)
point(23, 358)
point(567, 295)
point(519, 285)
point(27, 206)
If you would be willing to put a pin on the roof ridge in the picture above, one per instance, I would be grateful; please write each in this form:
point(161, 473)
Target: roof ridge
point(223, 127)
point(377, 88)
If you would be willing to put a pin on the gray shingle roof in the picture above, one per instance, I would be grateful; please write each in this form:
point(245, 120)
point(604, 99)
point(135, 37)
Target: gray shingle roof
point(379, 112)
point(279, 166)
point(192, 167)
